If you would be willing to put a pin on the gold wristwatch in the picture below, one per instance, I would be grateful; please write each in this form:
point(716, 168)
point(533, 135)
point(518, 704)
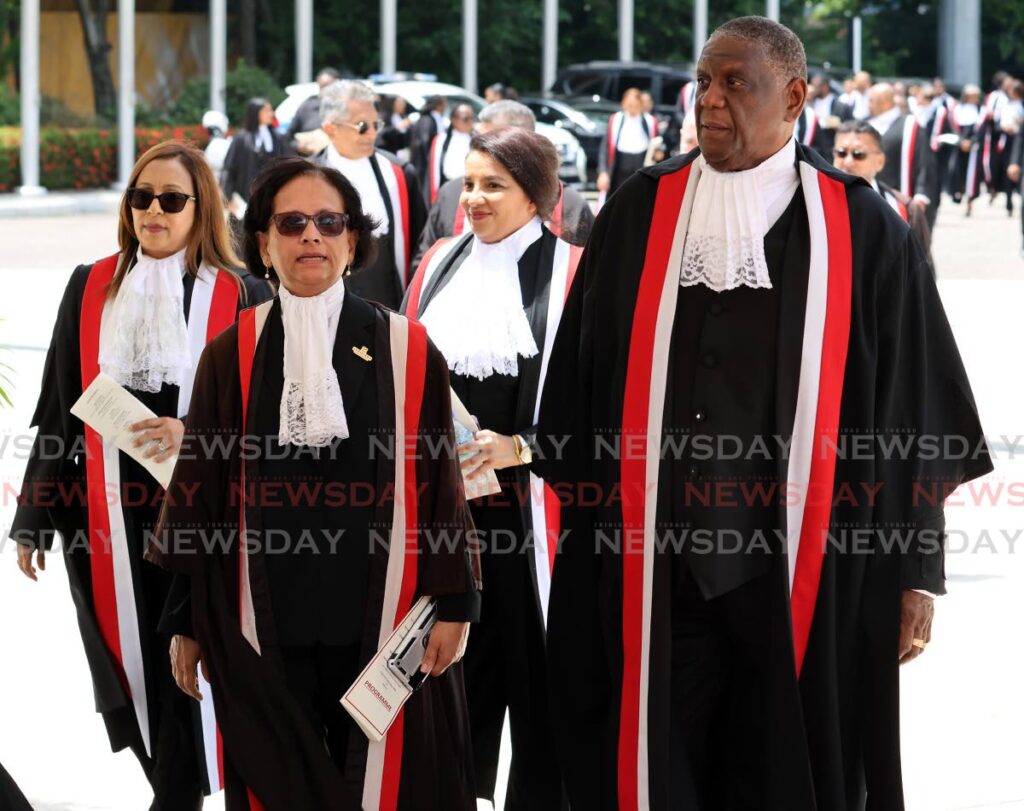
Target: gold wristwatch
point(524, 453)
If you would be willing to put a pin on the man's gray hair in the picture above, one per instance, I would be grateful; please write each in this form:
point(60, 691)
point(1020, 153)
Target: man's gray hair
point(334, 99)
point(782, 48)
point(508, 113)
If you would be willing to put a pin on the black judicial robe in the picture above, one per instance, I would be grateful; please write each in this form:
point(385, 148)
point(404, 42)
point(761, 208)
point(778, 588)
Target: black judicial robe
point(11, 798)
point(906, 142)
point(269, 745)
point(43, 512)
point(447, 219)
point(505, 664)
point(386, 279)
point(837, 722)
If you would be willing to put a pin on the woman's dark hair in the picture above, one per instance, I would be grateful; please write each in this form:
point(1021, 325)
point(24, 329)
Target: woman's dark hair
point(530, 158)
point(251, 120)
point(274, 177)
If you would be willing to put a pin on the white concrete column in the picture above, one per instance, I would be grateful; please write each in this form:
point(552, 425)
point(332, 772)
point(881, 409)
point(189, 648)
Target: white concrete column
point(125, 91)
point(218, 54)
point(303, 41)
point(469, 40)
point(29, 92)
point(771, 9)
point(550, 46)
point(388, 36)
point(625, 30)
point(960, 41)
point(858, 36)
point(700, 28)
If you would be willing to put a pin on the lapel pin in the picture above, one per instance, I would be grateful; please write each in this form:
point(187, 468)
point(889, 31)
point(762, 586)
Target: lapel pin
point(361, 352)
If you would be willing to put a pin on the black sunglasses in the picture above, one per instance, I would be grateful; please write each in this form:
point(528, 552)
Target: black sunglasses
point(362, 127)
point(293, 223)
point(856, 154)
point(171, 202)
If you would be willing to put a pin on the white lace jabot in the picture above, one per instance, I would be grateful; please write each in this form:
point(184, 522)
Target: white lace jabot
point(312, 412)
point(143, 337)
point(477, 320)
point(732, 212)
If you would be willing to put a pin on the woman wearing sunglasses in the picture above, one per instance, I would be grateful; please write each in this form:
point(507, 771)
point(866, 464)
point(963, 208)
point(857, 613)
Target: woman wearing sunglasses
point(387, 186)
point(142, 318)
point(345, 522)
point(256, 143)
point(491, 301)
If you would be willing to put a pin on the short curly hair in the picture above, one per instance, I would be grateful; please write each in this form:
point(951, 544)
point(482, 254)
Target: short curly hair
point(531, 159)
point(780, 46)
point(274, 177)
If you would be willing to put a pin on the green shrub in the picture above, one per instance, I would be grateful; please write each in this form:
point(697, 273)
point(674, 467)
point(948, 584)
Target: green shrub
point(81, 158)
point(243, 83)
point(10, 107)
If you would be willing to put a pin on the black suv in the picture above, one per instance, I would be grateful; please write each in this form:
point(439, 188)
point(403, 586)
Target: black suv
point(607, 81)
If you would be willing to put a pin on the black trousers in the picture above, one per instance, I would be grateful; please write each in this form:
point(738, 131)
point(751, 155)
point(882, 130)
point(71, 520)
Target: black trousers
point(626, 164)
point(729, 655)
point(505, 668)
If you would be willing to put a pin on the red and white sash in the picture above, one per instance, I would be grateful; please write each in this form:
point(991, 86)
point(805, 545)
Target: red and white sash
point(213, 307)
point(822, 365)
point(907, 152)
point(545, 511)
point(409, 362)
point(897, 206)
point(687, 97)
point(941, 118)
point(398, 192)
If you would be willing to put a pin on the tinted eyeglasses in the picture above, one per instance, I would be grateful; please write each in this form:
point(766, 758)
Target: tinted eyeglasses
point(293, 223)
point(171, 202)
point(362, 127)
point(857, 154)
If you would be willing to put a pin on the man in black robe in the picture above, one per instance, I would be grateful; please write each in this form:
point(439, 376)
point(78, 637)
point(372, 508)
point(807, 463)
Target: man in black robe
point(388, 188)
point(428, 126)
point(571, 221)
point(726, 623)
point(304, 131)
point(909, 160)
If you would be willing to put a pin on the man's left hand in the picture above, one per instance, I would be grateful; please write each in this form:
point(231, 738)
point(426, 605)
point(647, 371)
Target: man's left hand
point(446, 646)
point(916, 613)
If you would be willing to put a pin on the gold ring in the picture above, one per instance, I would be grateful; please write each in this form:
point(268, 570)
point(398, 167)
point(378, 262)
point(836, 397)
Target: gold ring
point(919, 643)
point(162, 448)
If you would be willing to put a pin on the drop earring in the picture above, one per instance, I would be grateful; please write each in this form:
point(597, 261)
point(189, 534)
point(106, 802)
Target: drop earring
point(266, 272)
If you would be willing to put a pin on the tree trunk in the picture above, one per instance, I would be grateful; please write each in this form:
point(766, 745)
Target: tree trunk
point(97, 49)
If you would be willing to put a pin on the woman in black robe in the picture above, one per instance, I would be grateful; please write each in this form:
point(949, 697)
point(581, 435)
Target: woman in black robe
point(311, 384)
point(252, 147)
point(491, 300)
point(141, 317)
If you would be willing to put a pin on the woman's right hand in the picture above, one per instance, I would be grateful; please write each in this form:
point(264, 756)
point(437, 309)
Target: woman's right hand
point(25, 561)
point(185, 658)
point(604, 182)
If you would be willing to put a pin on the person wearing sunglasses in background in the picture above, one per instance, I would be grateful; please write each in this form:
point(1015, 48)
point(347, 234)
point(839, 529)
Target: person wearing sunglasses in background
point(313, 381)
point(449, 149)
point(251, 148)
point(387, 186)
point(141, 317)
point(858, 151)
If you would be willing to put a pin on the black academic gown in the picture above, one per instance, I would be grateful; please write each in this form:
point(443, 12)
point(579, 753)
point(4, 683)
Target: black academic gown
point(270, 745)
point(11, 798)
point(835, 729)
point(577, 218)
point(505, 660)
point(244, 161)
point(386, 279)
point(923, 168)
point(172, 769)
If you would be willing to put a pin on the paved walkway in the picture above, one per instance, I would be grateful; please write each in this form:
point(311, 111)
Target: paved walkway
point(963, 706)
